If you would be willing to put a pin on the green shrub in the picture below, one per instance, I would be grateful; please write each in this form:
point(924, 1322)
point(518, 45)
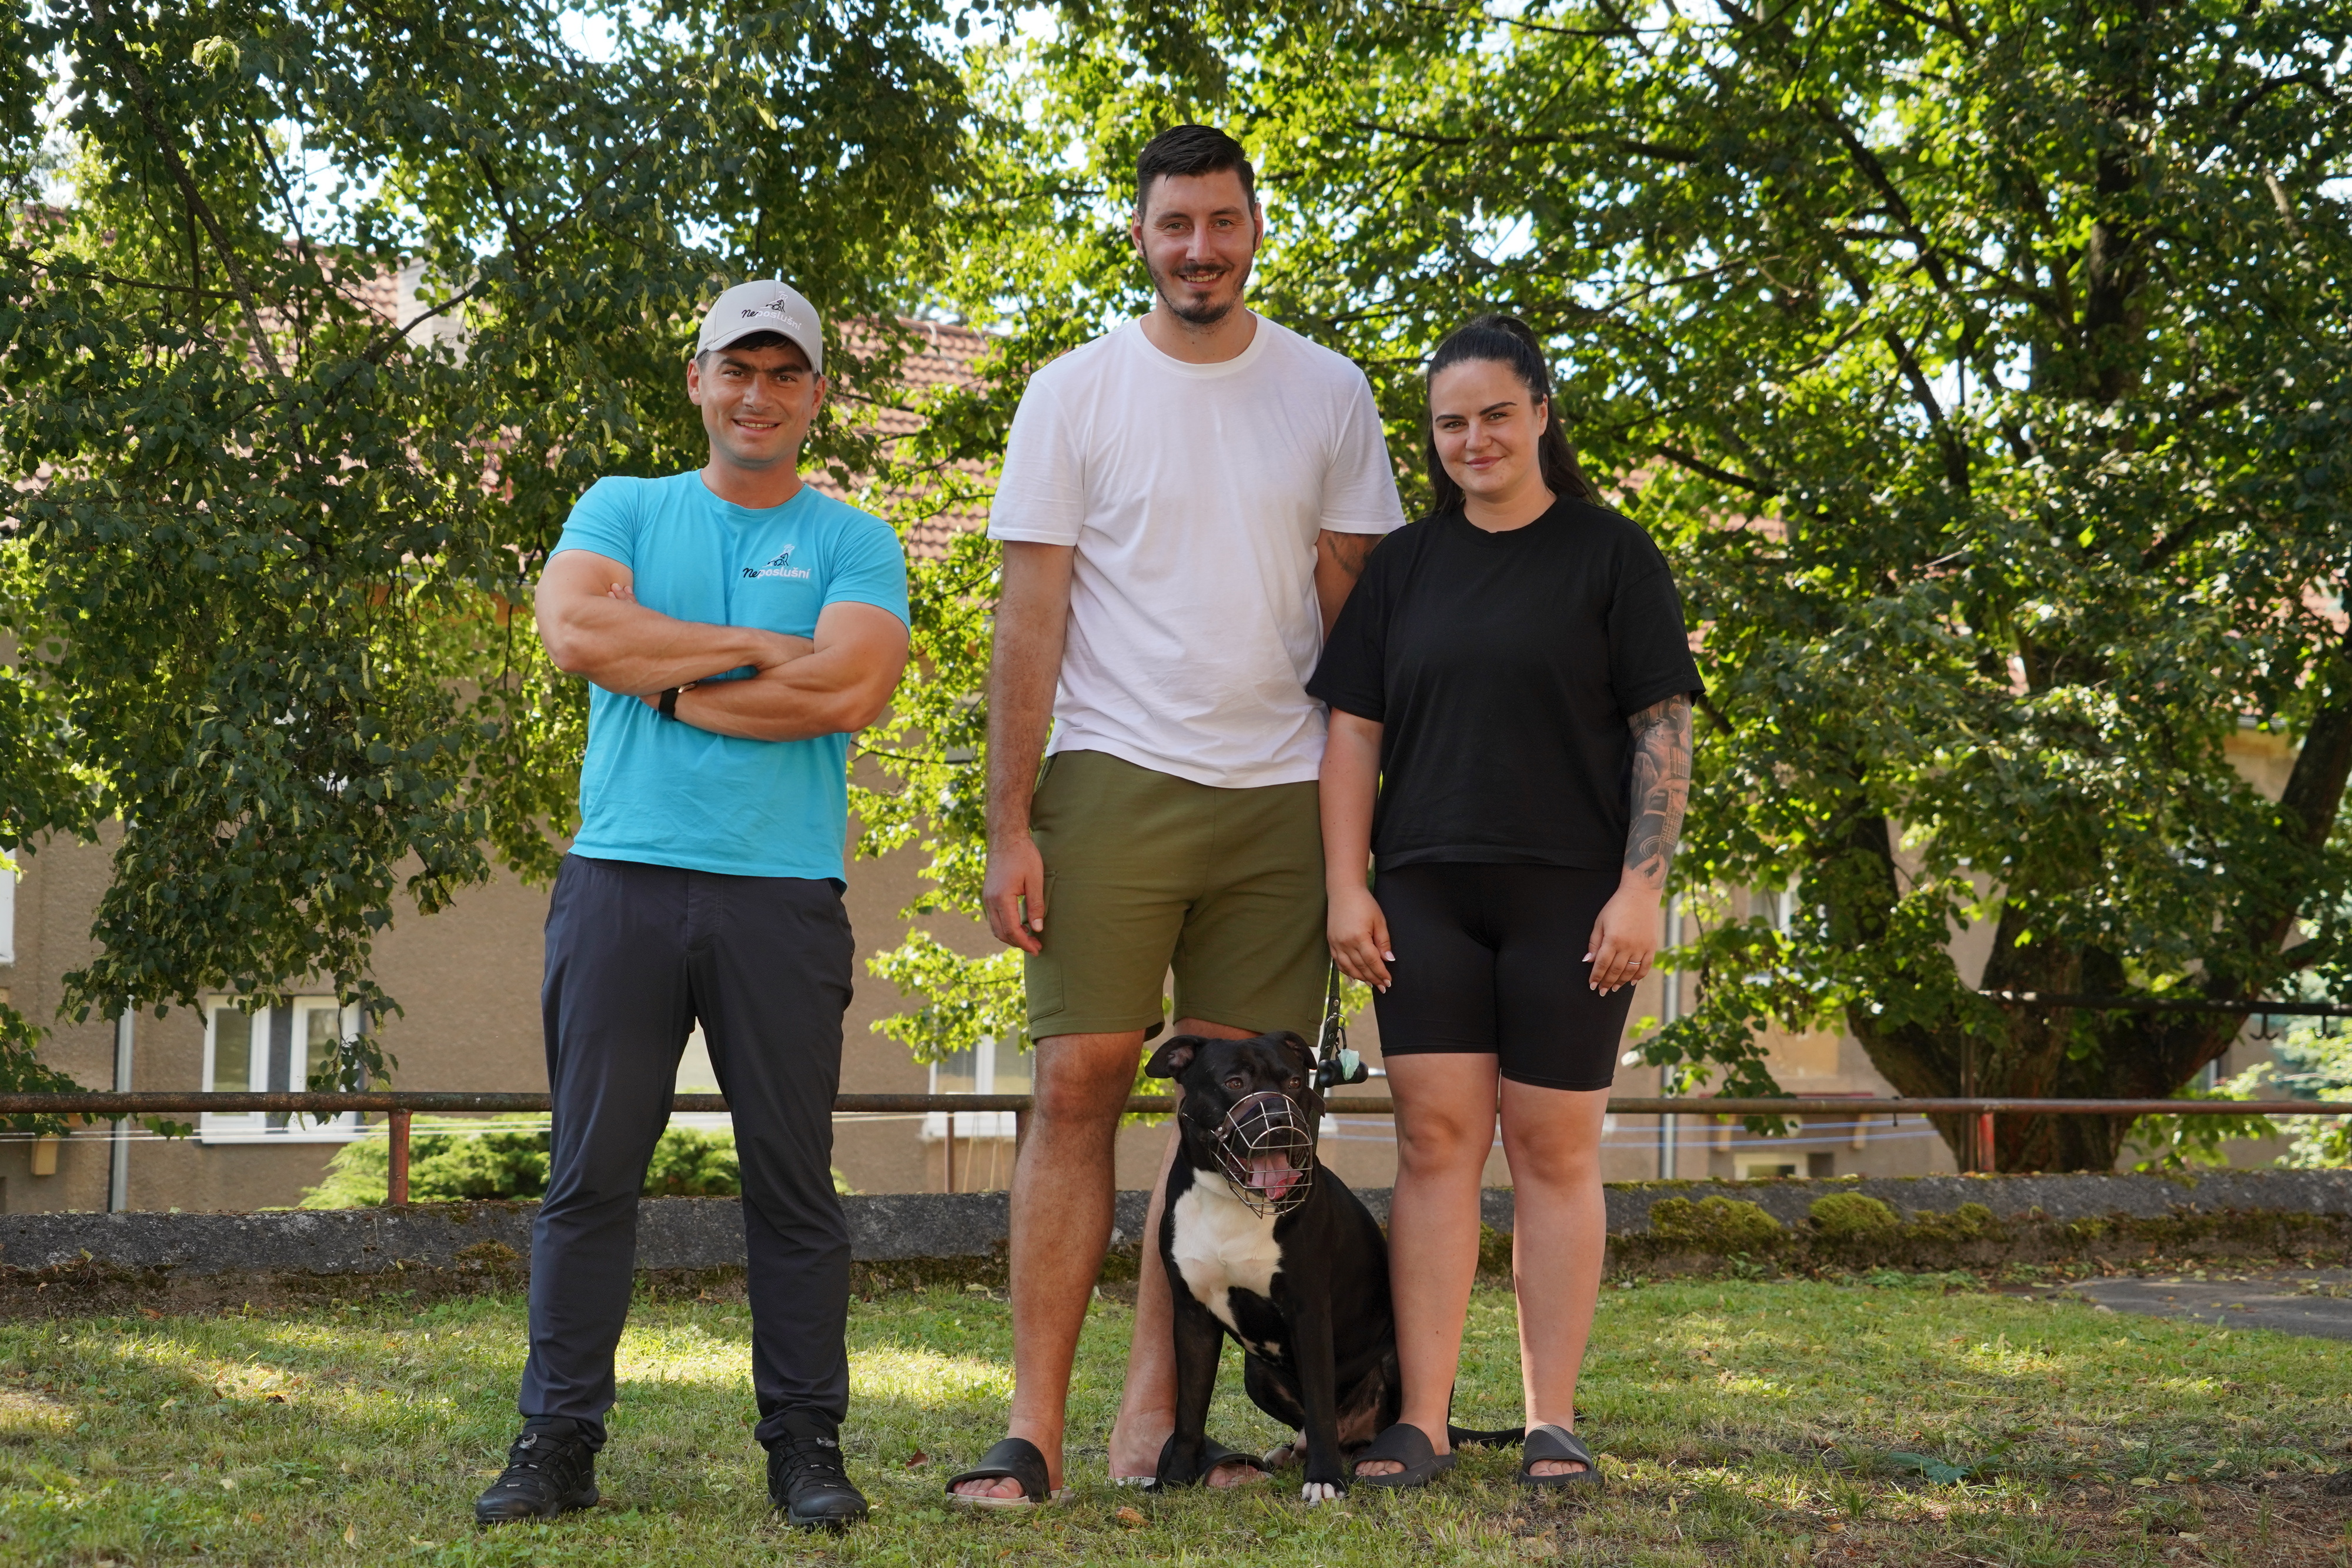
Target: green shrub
point(1853, 1216)
point(1716, 1225)
point(454, 1168)
point(691, 1163)
point(448, 1164)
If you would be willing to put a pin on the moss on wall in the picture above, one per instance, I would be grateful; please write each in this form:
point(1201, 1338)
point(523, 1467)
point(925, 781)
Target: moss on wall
point(1850, 1230)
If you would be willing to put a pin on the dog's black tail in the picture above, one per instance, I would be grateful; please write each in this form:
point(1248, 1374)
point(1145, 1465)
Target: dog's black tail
point(1457, 1436)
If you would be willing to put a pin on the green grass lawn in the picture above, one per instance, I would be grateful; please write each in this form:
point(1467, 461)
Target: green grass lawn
point(1738, 1422)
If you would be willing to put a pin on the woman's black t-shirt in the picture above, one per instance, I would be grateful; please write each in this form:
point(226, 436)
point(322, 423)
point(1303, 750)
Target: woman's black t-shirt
point(1502, 668)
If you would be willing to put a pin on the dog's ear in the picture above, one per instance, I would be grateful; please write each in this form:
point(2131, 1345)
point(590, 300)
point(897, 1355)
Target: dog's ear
point(1310, 1093)
point(1174, 1057)
point(1300, 1052)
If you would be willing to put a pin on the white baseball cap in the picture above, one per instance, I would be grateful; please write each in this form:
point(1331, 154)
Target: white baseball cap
point(764, 305)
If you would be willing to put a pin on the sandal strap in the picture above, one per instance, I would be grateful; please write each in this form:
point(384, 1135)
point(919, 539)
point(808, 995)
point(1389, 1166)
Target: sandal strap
point(1401, 1443)
point(1013, 1459)
point(1213, 1454)
point(1556, 1443)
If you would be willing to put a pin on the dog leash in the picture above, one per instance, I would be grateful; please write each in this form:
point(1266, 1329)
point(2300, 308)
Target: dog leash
point(1335, 1062)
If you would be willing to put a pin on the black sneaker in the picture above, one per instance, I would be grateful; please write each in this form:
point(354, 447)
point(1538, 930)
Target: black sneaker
point(806, 1477)
point(550, 1471)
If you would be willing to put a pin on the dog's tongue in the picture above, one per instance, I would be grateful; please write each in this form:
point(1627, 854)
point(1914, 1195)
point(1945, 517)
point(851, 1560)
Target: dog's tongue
point(1272, 1174)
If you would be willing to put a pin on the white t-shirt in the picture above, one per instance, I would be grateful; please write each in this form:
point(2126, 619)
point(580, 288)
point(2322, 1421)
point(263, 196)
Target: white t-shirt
point(1194, 494)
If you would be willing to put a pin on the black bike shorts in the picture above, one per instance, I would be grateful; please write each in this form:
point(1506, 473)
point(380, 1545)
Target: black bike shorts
point(1490, 959)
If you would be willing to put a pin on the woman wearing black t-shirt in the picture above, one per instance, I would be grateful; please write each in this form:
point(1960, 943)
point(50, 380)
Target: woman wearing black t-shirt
point(1510, 689)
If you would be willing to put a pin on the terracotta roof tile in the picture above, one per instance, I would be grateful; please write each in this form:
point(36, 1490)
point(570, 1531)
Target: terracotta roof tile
point(380, 292)
point(947, 359)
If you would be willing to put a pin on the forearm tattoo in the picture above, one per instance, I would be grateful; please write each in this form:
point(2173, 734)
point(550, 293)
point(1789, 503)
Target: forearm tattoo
point(1662, 773)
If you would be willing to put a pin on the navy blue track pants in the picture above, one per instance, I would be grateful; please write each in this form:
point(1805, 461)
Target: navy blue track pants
point(636, 954)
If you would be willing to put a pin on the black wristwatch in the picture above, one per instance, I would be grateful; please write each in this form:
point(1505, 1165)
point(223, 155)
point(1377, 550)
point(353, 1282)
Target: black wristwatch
point(668, 706)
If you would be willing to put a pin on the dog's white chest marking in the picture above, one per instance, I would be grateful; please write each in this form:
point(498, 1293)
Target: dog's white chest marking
point(1221, 1244)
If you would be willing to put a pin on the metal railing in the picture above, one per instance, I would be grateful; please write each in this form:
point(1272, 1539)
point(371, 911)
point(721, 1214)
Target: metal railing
point(399, 1106)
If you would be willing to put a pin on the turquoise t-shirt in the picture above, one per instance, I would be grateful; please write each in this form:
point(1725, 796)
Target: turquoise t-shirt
point(665, 793)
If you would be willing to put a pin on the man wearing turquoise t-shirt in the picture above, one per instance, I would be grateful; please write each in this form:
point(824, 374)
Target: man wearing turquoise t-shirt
point(736, 629)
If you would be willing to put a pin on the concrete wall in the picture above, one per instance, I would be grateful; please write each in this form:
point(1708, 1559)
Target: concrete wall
point(693, 1232)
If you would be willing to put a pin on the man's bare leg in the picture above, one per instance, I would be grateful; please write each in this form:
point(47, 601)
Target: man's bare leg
point(1146, 1406)
point(1061, 1212)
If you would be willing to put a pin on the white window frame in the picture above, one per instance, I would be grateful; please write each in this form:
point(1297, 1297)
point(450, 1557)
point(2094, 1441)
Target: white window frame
point(977, 1125)
point(7, 912)
point(254, 1127)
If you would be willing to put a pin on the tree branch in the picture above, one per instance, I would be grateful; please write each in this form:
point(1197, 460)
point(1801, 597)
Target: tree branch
point(1956, 457)
point(1952, 25)
point(1623, 30)
point(385, 341)
point(144, 98)
point(1706, 470)
point(1659, 151)
point(95, 275)
point(1898, 207)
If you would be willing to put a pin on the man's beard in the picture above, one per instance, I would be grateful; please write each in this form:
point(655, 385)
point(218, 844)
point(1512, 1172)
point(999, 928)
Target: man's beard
point(1202, 315)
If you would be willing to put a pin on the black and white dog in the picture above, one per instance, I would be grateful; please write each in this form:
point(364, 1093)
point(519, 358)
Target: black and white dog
point(1263, 1244)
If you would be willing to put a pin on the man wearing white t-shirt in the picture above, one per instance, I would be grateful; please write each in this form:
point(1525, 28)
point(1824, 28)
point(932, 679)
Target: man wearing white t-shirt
point(1186, 502)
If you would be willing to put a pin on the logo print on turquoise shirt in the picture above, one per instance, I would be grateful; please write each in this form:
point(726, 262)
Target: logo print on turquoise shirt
point(781, 567)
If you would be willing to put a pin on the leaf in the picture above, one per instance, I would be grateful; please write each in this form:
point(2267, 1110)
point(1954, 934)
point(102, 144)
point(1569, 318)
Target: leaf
point(1934, 1469)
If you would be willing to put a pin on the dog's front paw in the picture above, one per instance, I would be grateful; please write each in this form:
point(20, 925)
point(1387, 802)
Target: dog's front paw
point(1314, 1492)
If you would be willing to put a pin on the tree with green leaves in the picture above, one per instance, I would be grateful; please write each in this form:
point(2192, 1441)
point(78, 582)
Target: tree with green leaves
point(1984, 367)
point(266, 550)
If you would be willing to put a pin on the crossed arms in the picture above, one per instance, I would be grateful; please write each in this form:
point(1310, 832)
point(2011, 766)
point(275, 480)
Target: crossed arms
point(839, 682)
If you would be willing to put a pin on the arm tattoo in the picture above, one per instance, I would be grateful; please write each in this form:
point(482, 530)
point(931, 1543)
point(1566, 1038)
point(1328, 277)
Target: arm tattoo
point(1662, 773)
point(1349, 551)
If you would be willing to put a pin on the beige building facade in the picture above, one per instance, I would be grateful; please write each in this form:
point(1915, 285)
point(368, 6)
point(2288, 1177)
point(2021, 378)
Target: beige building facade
point(468, 979)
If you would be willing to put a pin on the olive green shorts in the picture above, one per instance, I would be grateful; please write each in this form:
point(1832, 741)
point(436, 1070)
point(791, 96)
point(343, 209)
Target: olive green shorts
point(1145, 872)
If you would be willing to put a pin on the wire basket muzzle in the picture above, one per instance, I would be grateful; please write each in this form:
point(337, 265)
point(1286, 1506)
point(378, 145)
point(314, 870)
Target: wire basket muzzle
point(1266, 1150)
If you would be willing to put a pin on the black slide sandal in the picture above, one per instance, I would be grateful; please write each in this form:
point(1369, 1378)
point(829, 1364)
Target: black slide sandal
point(1013, 1458)
point(1213, 1454)
point(1404, 1443)
point(1556, 1443)
point(1457, 1436)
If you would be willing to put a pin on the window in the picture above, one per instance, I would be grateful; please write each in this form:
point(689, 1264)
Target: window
point(1763, 1170)
point(7, 912)
point(986, 1069)
point(1778, 908)
point(273, 1050)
